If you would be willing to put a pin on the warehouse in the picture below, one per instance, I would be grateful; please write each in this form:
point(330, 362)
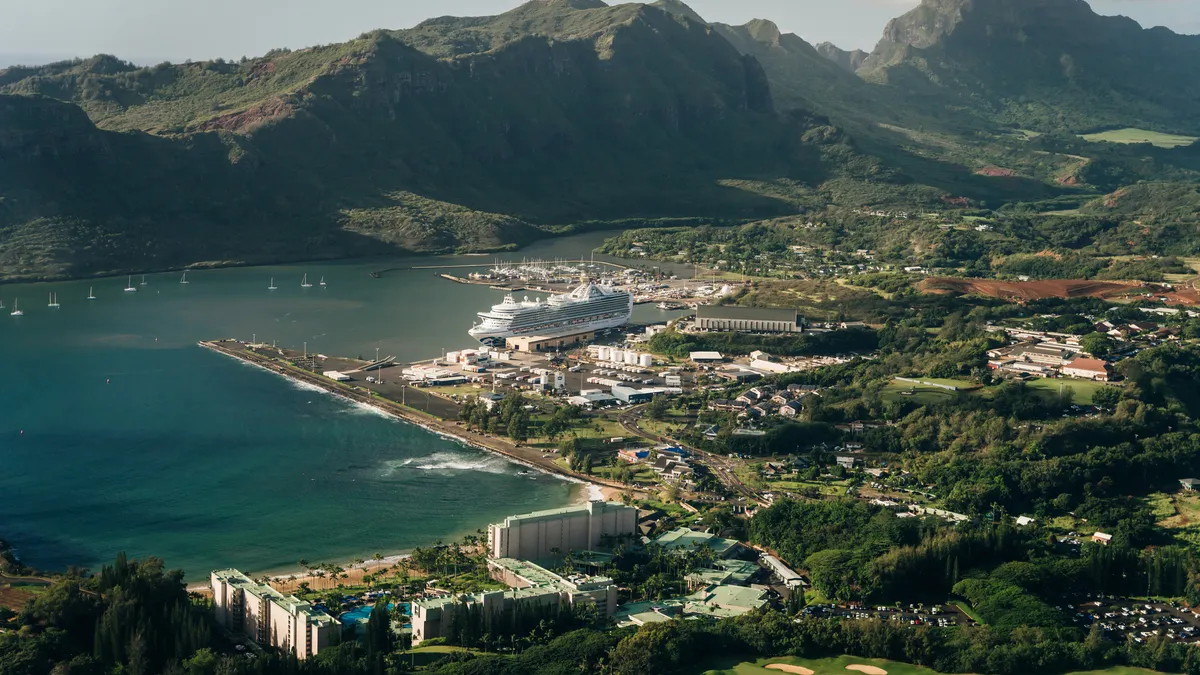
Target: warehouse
point(747, 319)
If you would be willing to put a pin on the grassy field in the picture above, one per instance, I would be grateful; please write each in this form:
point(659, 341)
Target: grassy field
point(916, 393)
point(838, 666)
point(829, 666)
point(1141, 136)
point(1179, 513)
point(1084, 389)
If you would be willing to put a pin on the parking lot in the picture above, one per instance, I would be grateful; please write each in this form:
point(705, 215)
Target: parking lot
point(1122, 619)
point(942, 616)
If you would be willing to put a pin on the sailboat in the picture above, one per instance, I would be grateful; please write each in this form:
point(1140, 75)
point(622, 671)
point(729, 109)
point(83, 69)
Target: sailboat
point(53, 301)
point(16, 308)
point(183, 279)
point(91, 295)
point(272, 286)
point(143, 280)
point(129, 287)
point(322, 281)
point(305, 284)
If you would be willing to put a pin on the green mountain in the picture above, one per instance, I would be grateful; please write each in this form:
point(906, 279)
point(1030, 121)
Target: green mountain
point(557, 112)
point(1043, 65)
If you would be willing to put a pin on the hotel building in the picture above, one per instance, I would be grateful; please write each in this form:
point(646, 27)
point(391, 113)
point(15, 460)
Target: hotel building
point(270, 618)
point(536, 536)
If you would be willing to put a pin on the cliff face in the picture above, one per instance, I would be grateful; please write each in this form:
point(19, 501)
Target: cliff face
point(1044, 64)
point(846, 60)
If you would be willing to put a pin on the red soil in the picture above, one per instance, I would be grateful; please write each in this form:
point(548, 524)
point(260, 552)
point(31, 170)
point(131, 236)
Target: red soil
point(1020, 291)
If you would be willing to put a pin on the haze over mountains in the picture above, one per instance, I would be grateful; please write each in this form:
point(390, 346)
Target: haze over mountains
point(475, 133)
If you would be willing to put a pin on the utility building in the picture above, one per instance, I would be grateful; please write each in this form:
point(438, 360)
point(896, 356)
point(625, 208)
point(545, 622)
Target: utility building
point(747, 319)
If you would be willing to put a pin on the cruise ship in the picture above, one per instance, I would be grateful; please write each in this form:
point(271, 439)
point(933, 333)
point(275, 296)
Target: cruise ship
point(589, 307)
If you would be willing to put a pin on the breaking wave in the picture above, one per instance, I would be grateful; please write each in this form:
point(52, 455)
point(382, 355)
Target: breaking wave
point(449, 462)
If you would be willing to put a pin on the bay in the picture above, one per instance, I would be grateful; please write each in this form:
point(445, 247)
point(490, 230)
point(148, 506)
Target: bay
point(119, 433)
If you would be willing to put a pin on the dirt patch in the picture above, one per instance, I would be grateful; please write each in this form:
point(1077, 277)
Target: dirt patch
point(996, 171)
point(796, 670)
point(14, 598)
point(1030, 290)
point(869, 670)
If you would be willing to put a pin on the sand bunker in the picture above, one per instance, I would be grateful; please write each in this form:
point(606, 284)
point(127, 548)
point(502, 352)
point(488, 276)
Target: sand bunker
point(796, 670)
point(869, 670)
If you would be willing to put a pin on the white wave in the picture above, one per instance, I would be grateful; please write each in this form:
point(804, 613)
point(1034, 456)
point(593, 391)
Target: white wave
point(358, 408)
point(450, 462)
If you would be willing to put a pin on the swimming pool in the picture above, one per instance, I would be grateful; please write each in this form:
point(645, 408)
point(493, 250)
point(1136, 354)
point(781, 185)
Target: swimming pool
point(363, 613)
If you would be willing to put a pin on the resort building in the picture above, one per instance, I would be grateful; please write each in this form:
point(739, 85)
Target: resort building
point(747, 319)
point(540, 535)
point(270, 618)
point(534, 588)
point(714, 602)
point(683, 539)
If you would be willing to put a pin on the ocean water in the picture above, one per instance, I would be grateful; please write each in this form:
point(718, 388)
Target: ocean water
point(119, 433)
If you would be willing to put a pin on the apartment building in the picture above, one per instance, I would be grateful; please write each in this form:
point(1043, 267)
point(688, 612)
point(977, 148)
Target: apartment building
point(268, 617)
point(536, 536)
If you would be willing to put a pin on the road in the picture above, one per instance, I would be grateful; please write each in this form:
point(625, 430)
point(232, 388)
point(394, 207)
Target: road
point(721, 467)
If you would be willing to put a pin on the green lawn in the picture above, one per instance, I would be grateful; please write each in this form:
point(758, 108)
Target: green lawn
point(837, 666)
point(829, 666)
point(969, 611)
point(916, 393)
point(1131, 135)
point(1083, 388)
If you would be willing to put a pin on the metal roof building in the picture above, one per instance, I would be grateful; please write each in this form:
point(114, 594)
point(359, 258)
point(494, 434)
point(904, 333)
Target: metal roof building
point(747, 319)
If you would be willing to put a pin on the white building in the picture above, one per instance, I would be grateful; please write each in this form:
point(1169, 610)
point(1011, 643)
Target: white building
point(533, 589)
point(575, 528)
point(270, 618)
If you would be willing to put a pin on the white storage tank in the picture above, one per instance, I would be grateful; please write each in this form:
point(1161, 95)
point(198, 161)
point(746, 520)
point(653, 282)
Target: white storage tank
point(602, 353)
point(645, 360)
point(616, 356)
point(631, 357)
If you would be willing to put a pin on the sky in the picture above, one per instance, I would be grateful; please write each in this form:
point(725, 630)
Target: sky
point(148, 31)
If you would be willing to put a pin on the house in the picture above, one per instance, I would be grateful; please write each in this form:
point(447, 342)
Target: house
point(846, 462)
point(1088, 369)
point(747, 399)
point(1189, 484)
point(791, 409)
point(766, 408)
point(1022, 521)
point(781, 399)
point(1102, 538)
point(725, 405)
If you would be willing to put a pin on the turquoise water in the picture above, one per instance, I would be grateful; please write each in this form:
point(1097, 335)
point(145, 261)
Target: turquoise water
point(118, 433)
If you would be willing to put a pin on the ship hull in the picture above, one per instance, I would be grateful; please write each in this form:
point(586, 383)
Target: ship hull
point(492, 335)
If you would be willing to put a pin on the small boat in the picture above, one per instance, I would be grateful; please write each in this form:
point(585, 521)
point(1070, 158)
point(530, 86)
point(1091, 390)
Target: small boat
point(53, 301)
point(183, 279)
point(305, 284)
point(143, 280)
point(91, 295)
point(129, 287)
point(16, 308)
point(322, 281)
point(272, 287)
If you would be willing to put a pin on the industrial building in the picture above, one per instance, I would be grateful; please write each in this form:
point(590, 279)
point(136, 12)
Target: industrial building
point(545, 343)
point(270, 618)
point(532, 587)
point(747, 319)
point(538, 535)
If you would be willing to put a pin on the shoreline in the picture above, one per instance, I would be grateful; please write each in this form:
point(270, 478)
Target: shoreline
point(290, 578)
